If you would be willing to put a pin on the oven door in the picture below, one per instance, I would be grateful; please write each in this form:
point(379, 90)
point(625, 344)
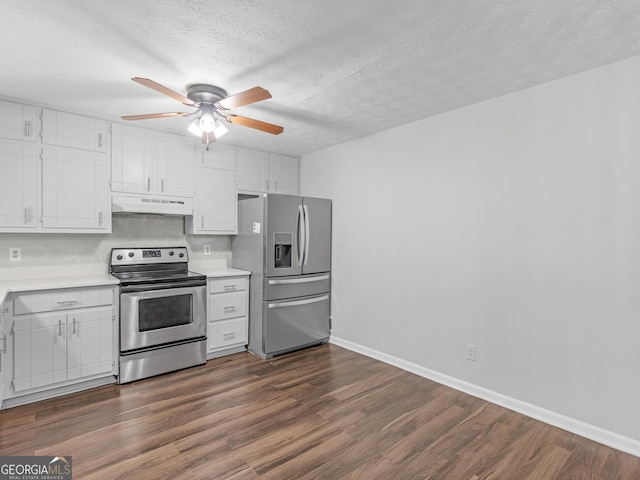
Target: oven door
point(151, 318)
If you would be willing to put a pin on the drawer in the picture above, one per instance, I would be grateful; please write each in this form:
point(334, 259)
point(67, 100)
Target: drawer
point(51, 300)
point(227, 333)
point(227, 284)
point(227, 305)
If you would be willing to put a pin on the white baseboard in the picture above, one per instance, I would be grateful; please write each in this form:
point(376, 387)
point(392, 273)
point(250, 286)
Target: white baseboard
point(597, 434)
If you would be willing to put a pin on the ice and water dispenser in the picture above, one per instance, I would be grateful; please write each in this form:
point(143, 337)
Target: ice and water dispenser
point(282, 254)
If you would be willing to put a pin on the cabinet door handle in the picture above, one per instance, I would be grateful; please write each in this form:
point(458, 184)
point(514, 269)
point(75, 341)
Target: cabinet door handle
point(4, 343)
point(26, 216)
point(202, 222)
point(100, 218)
point(231, 308)
point(266, 185)
point(229, 336)
point(27, 128)
point(74, 326)
point(276, 185)
point(29, 214)
point(100, 140)
point(59, 328)
point(148, 184)
point(162, 186)
point(230, 287)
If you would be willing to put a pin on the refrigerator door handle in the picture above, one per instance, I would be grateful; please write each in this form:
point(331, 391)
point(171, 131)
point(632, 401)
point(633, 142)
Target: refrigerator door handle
point(298, 280)
point(299, 302)
point(301, 235)
point(307, 234)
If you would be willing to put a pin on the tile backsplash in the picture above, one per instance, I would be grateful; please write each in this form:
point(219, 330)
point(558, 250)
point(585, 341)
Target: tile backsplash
point(129, 230)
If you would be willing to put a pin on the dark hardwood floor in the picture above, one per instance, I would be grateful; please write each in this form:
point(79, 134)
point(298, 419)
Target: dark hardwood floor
point(322, 413)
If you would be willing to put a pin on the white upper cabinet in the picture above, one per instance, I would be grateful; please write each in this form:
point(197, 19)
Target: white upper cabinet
point(283, 174)
point(133, 159)
point(145, 161)
point(263, 172)
point(18, 186)
point(75, 190)
point(18, 122)
point(216, 205)
point(176, 165)
point(74, 131)
point(219, 155)
point(252, 170)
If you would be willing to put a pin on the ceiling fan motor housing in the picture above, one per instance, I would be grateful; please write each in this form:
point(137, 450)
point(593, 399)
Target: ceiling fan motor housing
point(203, 93)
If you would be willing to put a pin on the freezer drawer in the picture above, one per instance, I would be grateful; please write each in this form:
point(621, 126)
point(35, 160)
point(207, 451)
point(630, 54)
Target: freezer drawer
point(295, 323)
point(279, 288)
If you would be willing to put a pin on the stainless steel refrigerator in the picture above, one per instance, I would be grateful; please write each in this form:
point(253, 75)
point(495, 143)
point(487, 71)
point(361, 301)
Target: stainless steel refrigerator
point(285, 241)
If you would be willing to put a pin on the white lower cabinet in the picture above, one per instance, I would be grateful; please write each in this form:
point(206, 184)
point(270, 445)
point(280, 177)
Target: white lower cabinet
point(57, 338)
point(228, 315)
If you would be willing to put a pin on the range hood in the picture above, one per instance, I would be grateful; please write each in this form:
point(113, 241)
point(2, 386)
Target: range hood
point(145, 204)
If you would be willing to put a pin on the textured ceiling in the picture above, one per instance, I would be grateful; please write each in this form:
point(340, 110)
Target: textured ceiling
point(337, 69)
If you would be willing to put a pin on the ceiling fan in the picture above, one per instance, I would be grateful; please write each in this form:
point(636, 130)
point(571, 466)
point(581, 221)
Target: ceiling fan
point(212, 103)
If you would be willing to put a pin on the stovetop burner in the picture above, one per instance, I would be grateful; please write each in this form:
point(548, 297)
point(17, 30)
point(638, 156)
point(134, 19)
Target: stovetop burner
point(151, 265)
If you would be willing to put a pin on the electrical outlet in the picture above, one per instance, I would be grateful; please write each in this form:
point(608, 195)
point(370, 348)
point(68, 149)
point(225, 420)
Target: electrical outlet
point(207, 249)
point(15, 254)
point(471, 352)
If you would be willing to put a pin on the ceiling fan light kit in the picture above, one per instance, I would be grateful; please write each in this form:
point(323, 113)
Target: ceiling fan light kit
point(210, 101)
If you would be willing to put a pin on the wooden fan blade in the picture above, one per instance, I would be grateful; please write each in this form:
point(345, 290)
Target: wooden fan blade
point(257, 124)
point(211, 138)
point(247, 97)
point(146, 116)
point(164, 90)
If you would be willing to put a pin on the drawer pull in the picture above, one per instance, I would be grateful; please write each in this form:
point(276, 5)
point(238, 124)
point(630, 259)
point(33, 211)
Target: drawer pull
point(230, 287)
point(229, 336)
point(68, 302)
point(231, 308)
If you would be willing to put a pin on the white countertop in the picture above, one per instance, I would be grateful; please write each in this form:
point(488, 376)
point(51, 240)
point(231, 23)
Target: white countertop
point(23, 279)
point(215, 268)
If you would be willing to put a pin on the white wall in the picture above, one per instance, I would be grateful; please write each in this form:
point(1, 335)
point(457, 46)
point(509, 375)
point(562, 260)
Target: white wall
point(514, 225)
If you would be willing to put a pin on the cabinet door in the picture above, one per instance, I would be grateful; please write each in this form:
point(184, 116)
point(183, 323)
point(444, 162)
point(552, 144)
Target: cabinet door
point(216, 202)
point(89, 347)
point(75, 131)
point(75, 190)
point(18, 122)
point(133, 159)
point(283, 174)
point(252, 170)
point(219, 155)
point(3, 352)
point(18, 185)
point(39, 351)
point(176, 165)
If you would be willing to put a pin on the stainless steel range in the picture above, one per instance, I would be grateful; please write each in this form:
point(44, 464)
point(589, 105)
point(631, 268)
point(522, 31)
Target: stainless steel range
point(162, 311)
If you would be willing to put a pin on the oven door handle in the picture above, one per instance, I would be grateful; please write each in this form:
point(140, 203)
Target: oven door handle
point(161, 286)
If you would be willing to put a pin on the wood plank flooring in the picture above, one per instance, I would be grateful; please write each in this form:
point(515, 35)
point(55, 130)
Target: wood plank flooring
point(322, 413)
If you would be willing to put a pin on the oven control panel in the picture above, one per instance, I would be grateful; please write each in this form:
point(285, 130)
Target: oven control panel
point(130, 256)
